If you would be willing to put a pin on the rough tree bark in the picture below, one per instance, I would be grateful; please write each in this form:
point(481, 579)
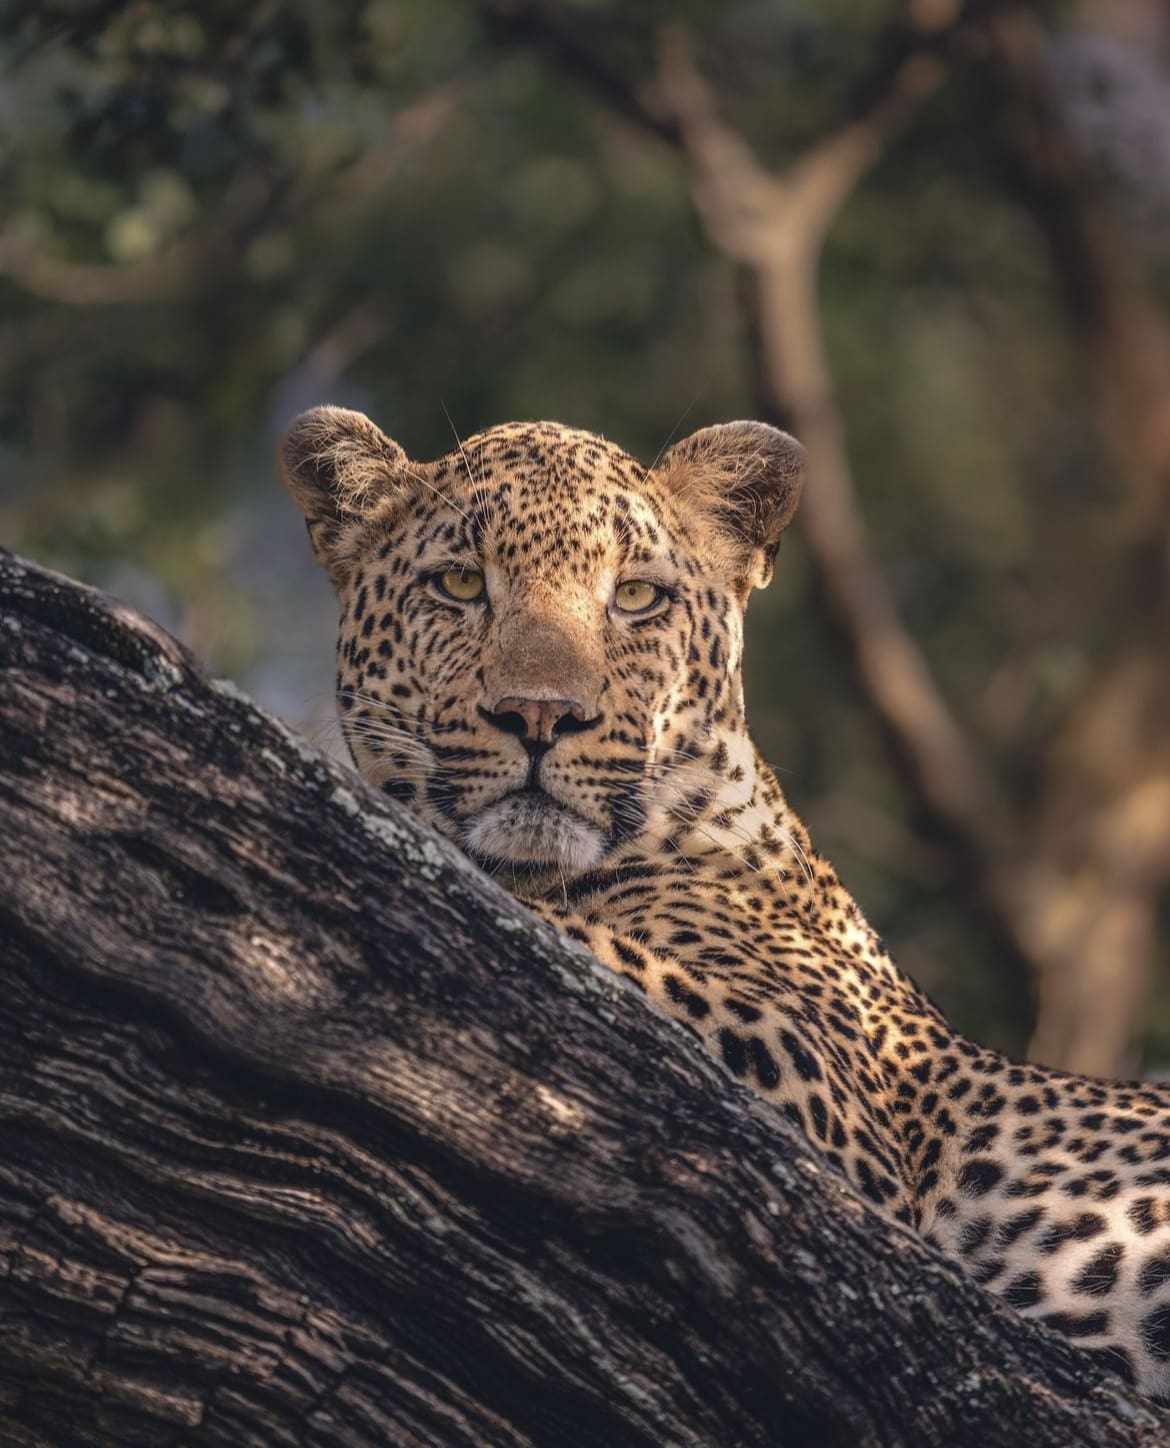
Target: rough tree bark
point(310, 1135)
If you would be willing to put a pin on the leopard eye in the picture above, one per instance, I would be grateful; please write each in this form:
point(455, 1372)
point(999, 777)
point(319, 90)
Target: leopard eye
point(637, 596)
point(464, 584)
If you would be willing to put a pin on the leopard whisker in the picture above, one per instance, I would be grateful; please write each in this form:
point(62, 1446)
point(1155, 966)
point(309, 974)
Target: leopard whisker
point(443, 498)
point(475, 492)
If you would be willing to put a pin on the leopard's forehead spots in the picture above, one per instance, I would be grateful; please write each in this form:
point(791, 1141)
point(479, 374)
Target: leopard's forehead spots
point(538, 461)
point(540, 498)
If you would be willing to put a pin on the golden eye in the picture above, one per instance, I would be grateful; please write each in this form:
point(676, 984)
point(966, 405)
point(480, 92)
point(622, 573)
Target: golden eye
point(637, 596)
point(464, 584)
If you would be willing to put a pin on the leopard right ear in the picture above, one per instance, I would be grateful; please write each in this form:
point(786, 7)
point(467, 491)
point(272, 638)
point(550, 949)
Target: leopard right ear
point(747, 476)
point(341, 469)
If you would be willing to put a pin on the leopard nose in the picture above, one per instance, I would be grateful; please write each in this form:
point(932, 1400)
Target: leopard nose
point(538, 722)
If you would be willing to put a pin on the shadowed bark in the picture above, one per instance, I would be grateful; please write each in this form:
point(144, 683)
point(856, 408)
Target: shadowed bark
point(310, 1135)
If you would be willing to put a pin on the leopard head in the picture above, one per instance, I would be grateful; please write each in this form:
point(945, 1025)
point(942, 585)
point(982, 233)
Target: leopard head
point(540, 638)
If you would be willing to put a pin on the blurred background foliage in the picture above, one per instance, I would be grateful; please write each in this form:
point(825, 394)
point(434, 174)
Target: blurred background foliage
point(217, 214)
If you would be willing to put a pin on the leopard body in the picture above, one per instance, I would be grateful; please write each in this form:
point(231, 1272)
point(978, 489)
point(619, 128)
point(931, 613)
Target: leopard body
point(597, 760)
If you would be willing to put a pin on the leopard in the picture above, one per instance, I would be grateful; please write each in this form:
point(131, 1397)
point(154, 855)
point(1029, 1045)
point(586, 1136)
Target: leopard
point(540, 654)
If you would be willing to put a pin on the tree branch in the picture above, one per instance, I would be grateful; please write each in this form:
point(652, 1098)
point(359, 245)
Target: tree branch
point(1095, 903)
point(217, 243)
point(773, 223)
point(1121, 329)
point(1083, 918)
point(776, 224)
point(181, 268)
point(313, 1136)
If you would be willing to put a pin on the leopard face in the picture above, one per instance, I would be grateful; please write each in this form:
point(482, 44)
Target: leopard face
point(540, 639)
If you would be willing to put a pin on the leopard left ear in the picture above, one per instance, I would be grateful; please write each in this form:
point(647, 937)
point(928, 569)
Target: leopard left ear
point(339, 466)
point(748, 476)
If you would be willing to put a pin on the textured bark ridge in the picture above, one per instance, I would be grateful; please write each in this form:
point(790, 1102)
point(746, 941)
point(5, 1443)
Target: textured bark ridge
point(309, 1135)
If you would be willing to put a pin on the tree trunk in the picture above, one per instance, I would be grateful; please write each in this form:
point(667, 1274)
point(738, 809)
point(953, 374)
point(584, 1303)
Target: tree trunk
point(311, 1135)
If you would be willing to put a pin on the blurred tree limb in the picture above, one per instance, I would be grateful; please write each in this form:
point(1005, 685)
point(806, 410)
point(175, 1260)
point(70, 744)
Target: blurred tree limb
point(197, 260)
point(1074, 885)
point(312, 1136)
point(183, 267)
point(1099, 859)
point(1124, 334)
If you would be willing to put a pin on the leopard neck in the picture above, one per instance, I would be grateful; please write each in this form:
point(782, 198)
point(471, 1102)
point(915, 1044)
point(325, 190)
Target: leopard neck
point(742, 828)
point(723, 804)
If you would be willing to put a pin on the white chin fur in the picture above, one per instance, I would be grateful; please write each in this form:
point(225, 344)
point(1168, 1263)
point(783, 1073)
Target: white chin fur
point(533, 830)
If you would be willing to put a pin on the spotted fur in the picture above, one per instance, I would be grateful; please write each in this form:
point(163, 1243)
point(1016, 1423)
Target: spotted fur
point(599, 763)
